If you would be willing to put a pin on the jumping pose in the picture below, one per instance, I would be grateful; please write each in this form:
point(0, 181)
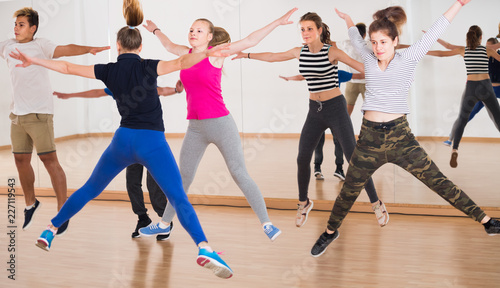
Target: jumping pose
point(32, 110)
point(134, 172)
point(385, 134)
point(209, 120)
point(140, 137)
point(483, 72)
point(318, 63)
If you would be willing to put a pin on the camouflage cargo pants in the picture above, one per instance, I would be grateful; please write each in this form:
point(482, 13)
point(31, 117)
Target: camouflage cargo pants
point(393, 142)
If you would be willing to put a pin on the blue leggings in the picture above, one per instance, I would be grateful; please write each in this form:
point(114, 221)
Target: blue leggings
point(146, 147)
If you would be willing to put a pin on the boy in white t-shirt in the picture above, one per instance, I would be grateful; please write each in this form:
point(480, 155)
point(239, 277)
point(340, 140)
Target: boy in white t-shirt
point(32, 109)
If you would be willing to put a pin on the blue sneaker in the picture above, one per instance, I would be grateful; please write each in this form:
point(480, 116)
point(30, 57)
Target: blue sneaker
point(45, 240)
point(447, 143)
point(155, 229)
point(271, 231)
point(213, 262)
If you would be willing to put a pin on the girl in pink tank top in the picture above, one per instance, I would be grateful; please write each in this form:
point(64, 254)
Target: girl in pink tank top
point(209, 119)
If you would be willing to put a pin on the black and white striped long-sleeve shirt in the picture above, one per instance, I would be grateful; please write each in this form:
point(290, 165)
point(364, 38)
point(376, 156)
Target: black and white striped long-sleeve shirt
point(387, 91)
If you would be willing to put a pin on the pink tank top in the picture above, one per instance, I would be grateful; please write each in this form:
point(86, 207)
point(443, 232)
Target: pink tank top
point(202, 83)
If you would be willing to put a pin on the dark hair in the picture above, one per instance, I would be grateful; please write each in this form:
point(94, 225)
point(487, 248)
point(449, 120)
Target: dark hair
point(362, 29)
point(29, 13)
point(325, 34)
point(390, 20)
point(219, 34)
point(493, 40)
point(474, 37)
point(129, 37)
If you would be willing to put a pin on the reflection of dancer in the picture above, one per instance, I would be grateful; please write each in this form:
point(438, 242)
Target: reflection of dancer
point(135, 171)
point(344, 76)
point(32, 110)
point(385, 135)
point(140, 137)
point(474, 78)
point(209, 120)
point(327, 107)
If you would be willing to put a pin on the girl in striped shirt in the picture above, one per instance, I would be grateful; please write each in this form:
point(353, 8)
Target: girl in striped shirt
point(385, 134)
point(479, 86)
point(318, 60)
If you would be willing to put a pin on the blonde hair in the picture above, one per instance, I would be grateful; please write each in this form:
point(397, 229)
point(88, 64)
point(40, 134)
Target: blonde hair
point(219, 34)
point(29, 13)
point(130, 37)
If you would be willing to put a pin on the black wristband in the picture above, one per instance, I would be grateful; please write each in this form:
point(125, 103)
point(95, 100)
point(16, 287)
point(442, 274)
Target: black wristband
point(155, 30)
point(248, 55)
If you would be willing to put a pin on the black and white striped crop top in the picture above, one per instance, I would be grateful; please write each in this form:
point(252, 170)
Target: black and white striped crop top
point(320, 74)
point(476, 60)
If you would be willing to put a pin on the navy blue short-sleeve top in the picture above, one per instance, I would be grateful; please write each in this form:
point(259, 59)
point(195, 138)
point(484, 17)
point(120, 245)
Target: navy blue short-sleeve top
point(133, 82)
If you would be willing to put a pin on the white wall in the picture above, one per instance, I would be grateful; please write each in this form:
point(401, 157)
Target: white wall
point(257, 98)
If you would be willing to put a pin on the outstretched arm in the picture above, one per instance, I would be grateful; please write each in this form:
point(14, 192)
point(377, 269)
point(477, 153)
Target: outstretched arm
point(58, 66)
point(493, 46)
point(339, 55)
point(440, 53)
point(75, 50)
point(171, 47)
point(293, 78)
point(257, 36)
point(188, 60)
point(95, 93)
point(347, 18)
point(167, 91)
point(453, 10)
point(271, 57)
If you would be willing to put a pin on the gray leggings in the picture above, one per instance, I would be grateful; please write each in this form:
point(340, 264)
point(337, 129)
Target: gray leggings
point(224, 134)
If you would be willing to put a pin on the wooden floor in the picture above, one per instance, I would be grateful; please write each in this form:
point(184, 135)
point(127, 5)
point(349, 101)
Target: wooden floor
point(97, 251)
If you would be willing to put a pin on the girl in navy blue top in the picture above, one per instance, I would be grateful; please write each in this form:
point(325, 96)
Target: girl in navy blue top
point(140, 137)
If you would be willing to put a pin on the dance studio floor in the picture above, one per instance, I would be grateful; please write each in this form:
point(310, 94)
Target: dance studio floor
point(97, 251)
point(412, 251)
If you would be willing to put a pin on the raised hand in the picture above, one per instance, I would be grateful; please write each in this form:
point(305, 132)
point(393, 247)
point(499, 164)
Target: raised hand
point(95, 50)
point(283, 20)
point(27, 61)
point(341, 15)
point(219, 50)
point(150, 26)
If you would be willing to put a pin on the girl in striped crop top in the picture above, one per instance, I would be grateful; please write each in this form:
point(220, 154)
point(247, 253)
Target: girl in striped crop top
point(478, 90)
point(318, 60)
point(209, 120)
point(385, 134)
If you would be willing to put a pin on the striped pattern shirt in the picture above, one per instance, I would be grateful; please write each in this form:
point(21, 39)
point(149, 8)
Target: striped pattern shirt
point(476, 60)
point(387, 91)
point(320, 74)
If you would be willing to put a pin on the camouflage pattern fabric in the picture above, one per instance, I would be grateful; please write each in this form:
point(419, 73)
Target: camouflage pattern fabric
point(393, 142)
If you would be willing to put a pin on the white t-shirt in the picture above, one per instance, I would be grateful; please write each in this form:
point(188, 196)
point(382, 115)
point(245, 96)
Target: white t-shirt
point(32, 92)
point(347, 47)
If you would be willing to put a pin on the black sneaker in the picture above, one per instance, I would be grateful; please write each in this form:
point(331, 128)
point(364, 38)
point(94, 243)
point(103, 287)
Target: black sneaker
point(143, 221)
point(339, 173)
point(61, 230)
point(29, 214)
point(322, 243)
point(494, 228)
point(162, 237)
point(319, 175)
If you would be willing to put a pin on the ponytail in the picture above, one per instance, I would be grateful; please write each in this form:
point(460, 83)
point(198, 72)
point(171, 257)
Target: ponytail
point(325, 34)
point(389, 20)
point(219, 34)
point(474, 37)
point(130, 37)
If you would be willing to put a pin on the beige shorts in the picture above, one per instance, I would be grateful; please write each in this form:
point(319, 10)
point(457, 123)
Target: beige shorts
point(352, 90)
point(37, 129)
